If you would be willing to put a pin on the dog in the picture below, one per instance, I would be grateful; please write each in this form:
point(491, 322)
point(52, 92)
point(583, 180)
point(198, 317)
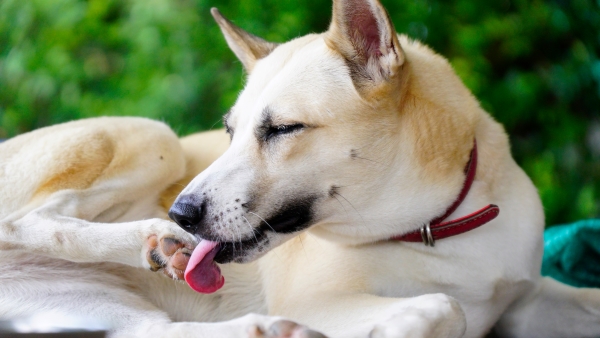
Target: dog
point(364, 192)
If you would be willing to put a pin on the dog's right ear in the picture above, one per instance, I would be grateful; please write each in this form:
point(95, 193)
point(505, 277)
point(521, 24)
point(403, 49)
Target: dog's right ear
point(247, 47)
point(362, 32)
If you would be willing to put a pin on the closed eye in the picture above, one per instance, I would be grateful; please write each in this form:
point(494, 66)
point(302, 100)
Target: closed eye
point(275, 131)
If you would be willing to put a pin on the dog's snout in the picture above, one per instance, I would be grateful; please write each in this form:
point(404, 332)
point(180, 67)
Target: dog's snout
point(187, 214)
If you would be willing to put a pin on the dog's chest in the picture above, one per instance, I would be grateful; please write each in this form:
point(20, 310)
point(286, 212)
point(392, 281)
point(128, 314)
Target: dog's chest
point(396, 269)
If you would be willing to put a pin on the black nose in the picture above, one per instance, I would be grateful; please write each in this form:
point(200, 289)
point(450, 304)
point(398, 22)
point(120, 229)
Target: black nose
point(187, 214)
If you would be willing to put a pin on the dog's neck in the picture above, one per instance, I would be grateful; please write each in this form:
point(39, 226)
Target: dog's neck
point(438, 229)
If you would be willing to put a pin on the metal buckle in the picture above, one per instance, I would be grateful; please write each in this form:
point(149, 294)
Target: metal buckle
point(426, 235)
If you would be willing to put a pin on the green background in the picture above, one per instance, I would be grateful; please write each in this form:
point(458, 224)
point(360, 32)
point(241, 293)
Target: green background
point(533, 64)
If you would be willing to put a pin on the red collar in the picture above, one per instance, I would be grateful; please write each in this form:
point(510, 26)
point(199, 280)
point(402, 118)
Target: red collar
point(437, 229)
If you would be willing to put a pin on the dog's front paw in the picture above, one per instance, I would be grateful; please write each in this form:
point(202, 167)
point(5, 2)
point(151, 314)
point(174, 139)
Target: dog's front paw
point(284, 329)
point(276, 327)
point(428, 316)
point(168, 249)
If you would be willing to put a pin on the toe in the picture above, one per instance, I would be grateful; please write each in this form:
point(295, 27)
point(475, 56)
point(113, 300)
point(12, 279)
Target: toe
point(154, 259)
point(152, 255)
point(288, 329)
point(152, 241)
point(282, 328)
point(170, 245)
point(179, 274)
point(255, 332)
point(180, 260)
point(307, 333)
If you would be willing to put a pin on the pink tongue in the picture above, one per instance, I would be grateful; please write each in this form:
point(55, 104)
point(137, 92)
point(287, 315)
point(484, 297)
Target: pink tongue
point(202, 273)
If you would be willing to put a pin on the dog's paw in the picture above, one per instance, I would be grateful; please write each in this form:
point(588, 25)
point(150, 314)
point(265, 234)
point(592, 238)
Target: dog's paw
point(168, 249)
point(284, 329)
point(435, 315)
point(277, 327)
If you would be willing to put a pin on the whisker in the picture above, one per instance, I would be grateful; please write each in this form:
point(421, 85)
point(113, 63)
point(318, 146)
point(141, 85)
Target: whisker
point(367, 159)
point(239, 238)
point(315, 239)
point(363, 220)
point(233, 243)
point(340, 202)
point(214, 124)
point(267, 223)
point(251, 228)
point(302, 243)
point(257, 215)
point(345, 186)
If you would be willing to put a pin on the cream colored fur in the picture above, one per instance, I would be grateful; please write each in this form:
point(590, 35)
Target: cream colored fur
point(384, 139)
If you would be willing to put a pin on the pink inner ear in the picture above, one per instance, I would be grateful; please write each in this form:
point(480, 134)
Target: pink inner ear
point(363, 28)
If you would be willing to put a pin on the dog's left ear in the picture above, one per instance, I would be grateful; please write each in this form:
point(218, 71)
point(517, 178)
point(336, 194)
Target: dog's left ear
point(362, 32)
point(247, 47)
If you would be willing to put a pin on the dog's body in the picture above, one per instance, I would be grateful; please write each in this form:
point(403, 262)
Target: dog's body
point(340, 141)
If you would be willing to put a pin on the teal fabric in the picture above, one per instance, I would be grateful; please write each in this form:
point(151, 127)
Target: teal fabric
point(572, 253)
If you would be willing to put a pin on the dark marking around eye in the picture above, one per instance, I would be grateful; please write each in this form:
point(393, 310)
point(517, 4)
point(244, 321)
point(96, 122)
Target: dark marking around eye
point(282, 130)
point(268, 130)
point(353, 153)
point(266, 121)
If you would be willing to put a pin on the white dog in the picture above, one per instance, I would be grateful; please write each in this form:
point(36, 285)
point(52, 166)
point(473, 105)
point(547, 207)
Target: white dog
point(380, 198)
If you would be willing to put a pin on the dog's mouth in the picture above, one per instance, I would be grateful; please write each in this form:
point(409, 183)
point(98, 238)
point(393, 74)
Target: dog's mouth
point(238, 251)
point(204, 275)
point(292, 218)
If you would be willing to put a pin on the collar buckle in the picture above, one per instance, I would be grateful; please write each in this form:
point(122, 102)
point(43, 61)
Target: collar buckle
point(427, 236)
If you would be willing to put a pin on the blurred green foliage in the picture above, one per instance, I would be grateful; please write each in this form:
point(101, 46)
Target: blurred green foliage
point(534, 65)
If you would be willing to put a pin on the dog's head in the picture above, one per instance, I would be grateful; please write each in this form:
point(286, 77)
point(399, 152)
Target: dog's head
point(356, 133)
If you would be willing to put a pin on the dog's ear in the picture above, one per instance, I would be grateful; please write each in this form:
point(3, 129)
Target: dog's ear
point(362, 32)
point(247, 47)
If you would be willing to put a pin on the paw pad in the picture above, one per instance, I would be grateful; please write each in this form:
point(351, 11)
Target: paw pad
point(169, 255)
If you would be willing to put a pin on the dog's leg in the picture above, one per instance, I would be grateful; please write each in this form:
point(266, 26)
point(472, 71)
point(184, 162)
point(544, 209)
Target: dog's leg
point(103, 296)
point(364, 315)
point(551, 310)
point(251, 326)
point(52, 230)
